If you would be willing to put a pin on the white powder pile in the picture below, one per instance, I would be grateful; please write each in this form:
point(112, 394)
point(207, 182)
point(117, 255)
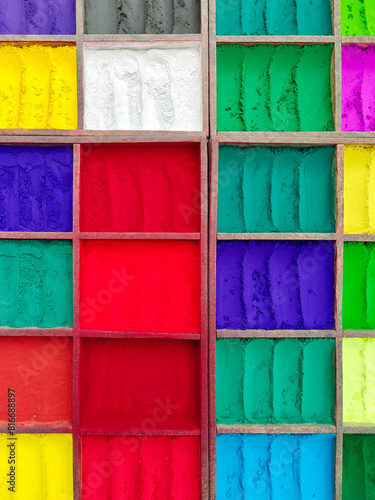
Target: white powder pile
point(147, 89)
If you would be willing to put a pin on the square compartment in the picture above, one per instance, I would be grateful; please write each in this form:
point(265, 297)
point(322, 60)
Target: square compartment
point(358, 465)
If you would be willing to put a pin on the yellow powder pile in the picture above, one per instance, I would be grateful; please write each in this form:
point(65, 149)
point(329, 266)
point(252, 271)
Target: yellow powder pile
point(44, 466)
point(358, 381)
point(359, 190)
point(38, 86)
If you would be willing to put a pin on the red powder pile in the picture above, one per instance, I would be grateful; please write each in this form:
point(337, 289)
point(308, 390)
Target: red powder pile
point(132, 467)
point(40, 371)
point(139, 385)
point(140, 286)
point(135, 188)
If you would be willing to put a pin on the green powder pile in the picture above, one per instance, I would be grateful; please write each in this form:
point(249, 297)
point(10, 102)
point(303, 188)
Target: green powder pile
point(358, 300)
point(358, 475)
point(265, 381)
point(274, 88)
point(357, 17)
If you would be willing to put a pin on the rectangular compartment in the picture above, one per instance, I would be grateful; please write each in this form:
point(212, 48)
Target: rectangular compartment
point(358, 464)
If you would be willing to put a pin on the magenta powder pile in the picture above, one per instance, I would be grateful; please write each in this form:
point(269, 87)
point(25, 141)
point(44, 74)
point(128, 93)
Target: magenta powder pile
point(358, 88)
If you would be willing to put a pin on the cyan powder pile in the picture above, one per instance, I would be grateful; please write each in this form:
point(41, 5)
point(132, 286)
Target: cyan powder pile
point(142, 16)
point(276, 189)
point(271, 467)
point(275, 285)
point(270, 381)
point(273, 17)
point(274, 88)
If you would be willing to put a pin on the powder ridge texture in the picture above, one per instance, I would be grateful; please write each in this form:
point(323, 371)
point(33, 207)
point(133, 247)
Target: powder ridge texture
point(359, 380)
point(273, 17)
point(38, 87)
point(358, 298)
point(37, 287)
point(143, 89)
point(266, 189)
point(140, 286)
point(141, 188)
point(127, 383)
point(357, 18)
point(44, 467)
point(142, 468)
point(359, 186)
point(39, 369)
point(142, 16)
point(38, 17)
point(272, 467)
point(275, 285)
point(269, 381)
point(268, 88)
point(358, 467)
point(36, 188)
point(358, 88)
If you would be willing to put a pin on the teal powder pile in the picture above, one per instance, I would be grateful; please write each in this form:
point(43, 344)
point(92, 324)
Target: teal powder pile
point(36, 283)
point(284, 88)
point(275, 381)
point(276, 189)
point(273, 17)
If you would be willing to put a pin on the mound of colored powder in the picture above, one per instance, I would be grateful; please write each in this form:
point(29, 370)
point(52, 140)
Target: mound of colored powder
point(36, 188)
point(357, 18)
point(269, 381)
point(268, 466)
point(143, 385)
point(275, 285)
point(38, 87)
point(359, 184)
point(38, 17)
point(358, 467)
point(140, 187)
point(358, 88)
point(39, 369)
point(268, 88)
point(359, 380)
point(141, 467)
point(157, 88)
point(44, 466)
point(273, 17)
point(281, 189)
point(358, 297)
point(142, 16)
point(37, 288)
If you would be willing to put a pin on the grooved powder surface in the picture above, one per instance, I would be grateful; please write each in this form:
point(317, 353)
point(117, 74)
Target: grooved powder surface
point(268, 88)
point(273, 17)
point(275, 285)
point(38, 17)
point(140, 286)
point(141, 188)
point(269, 381)
point(358, 88)
point(36, 188)
point(275, 467)
point(358, 467)
point(44, 467)
point(38, 86)
point(266, 189)
point(154, 88)
point(357, 17)
point(358, 297)
point(39, 369)
point(37, 284)
point(142, 16)
point(163, 467)
point(359, 186)
point(139, 384)
point(359, 380)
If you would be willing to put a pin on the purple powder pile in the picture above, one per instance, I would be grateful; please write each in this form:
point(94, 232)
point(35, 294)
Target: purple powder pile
point(275, 285)
point(36, 188)
point(37, 17)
